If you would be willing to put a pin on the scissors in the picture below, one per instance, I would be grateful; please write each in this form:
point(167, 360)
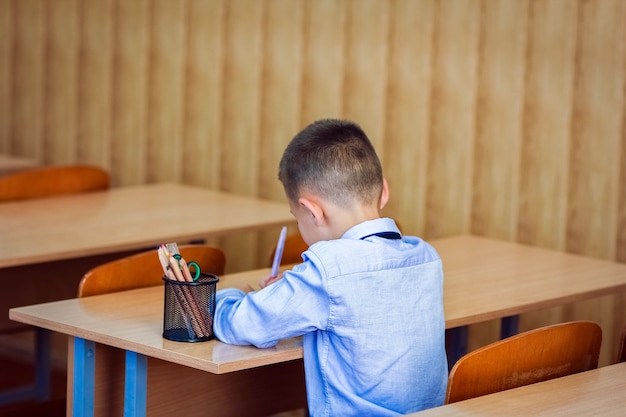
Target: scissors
point(191, 264)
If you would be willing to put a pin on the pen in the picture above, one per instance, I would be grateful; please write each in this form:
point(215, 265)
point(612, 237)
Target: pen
point(279, 251)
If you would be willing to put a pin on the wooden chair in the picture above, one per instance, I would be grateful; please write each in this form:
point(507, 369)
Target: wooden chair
point(292, 253)
point(144, 270)
point(533, 356)
point(52, 180)
point(621, 351)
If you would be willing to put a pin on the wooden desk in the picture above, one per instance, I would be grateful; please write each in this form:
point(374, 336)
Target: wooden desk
point(10, 163)
point(48, 243)
point(484, 279)
point(489, 279)
point(133, 321)
point(599, 392)
point(119, 219)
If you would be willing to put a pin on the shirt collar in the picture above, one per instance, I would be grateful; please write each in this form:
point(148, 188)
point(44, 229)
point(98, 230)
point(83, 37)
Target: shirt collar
point(371, 227)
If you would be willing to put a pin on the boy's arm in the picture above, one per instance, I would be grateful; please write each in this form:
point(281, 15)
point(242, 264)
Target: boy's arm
point(292, 306)
point(268, 280)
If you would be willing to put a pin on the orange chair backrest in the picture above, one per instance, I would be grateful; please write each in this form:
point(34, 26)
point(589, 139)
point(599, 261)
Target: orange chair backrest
point(533, 356)
point(52, 180)
point(292, 253)
point(144, 270)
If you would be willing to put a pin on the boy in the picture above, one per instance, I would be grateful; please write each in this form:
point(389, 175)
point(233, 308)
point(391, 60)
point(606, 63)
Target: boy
point(367, 300)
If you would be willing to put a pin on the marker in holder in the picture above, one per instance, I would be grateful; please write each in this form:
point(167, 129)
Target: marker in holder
point(189, 309)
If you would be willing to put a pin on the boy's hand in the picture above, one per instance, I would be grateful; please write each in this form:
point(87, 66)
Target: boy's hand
point(269, 280)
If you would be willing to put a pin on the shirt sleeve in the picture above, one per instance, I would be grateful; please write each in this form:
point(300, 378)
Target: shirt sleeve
point(294, 305)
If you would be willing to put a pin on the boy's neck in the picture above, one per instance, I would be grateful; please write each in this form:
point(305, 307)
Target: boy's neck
point(341, 219)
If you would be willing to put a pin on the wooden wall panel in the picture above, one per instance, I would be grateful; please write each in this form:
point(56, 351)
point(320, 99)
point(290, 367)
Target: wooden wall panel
point(95, 82)
point(241, 95)
point(27, 92)
point(365, 68)
point(130, 91)
point(498, 136)
point(323, 60)
point(407, 112)
point(281, 89)
point(500, 118)
point(61, 73)
point(6, 73)
point(596, 130)
point(547, 117)
point(596, 138)
point(452, 114)
point(203, 93)
point(620, 243)
point(166, 58)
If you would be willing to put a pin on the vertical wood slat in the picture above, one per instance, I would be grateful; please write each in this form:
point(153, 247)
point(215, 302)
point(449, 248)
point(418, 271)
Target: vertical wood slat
point(280, 89)
point(547, 114)
point(598, 105)
point(166, 59)
point(452, 117)
point(130, 91)
point(94, 82)
point(60, 88)
point(498, 119)
point(241, 95)
point(203, 93)
point(407, 112)
point(27, 76)
point(323, 60)
point(6, 75)
point(364, 70)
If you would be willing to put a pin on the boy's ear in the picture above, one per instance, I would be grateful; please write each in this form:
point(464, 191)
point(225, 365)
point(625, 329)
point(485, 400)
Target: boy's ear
point(313, 209)
point(384, 196)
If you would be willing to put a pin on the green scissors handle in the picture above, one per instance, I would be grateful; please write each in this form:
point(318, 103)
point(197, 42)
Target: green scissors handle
point(196, 267)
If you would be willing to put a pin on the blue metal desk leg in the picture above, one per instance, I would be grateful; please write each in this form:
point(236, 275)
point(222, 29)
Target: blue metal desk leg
point(509, 326)
point(135, 388)
point(84, 368)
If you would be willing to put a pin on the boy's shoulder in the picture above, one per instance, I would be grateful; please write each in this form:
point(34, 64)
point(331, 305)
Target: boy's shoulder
point(342, 255)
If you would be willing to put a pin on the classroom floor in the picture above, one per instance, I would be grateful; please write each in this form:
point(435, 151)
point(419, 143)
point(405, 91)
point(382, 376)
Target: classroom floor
point(15, 373)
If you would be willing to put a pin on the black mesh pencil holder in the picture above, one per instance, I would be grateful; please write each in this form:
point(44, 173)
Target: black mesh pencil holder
point(189, 309)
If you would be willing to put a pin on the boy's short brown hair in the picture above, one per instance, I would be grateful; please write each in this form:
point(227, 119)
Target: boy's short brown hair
point(334, 159)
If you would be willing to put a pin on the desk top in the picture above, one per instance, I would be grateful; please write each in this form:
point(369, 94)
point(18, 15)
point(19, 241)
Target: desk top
point(599, 392)
point(484, 279)
point(125, 218)
point(489, 279)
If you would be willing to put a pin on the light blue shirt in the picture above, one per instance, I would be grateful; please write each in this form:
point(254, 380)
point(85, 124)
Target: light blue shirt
point(371, 312)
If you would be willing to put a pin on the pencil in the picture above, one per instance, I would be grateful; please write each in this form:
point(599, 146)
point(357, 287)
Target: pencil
point(278, 255)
